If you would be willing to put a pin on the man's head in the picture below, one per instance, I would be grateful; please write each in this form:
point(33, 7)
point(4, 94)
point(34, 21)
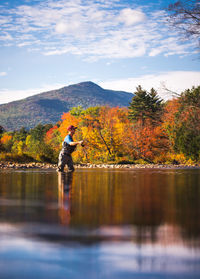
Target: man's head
point(71, 129)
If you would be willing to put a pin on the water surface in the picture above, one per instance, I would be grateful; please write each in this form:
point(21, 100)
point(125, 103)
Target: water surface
point(141, 223)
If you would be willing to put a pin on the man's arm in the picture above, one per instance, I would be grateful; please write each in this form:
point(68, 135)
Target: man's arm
point(70, 141)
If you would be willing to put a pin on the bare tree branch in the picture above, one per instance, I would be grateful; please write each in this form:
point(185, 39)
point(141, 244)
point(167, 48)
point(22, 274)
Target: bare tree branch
point(184, 15)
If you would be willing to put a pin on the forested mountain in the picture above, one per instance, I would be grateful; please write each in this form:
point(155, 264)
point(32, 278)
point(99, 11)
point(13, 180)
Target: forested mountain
point(48, 107)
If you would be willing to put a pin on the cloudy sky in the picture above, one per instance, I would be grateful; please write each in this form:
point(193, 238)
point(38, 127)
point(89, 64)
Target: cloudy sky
point(48, 44)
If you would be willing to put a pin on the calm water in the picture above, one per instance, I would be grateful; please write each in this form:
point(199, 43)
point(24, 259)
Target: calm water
point(100, 224)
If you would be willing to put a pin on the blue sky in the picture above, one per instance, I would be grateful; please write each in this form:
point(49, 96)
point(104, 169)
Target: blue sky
point(49, 44)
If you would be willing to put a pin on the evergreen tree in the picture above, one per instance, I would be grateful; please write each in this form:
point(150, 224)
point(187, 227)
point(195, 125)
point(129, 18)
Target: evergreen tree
point(38, 132)
point(145, 106)
point(2, 130)
point(187, 129)
point(191, 98)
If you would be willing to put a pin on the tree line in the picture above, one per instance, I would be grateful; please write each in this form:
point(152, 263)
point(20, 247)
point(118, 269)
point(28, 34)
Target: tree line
point(149, 130)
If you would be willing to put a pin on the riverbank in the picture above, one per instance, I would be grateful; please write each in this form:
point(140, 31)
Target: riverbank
point(11, 165)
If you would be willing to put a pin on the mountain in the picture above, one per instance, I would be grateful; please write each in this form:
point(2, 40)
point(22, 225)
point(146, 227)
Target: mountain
point(48, 107)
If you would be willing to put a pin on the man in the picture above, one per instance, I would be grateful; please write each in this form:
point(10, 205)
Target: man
point(68, 147)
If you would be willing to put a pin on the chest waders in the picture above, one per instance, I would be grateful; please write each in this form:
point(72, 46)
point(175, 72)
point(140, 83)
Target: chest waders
point(65, 157)
point(67, 148)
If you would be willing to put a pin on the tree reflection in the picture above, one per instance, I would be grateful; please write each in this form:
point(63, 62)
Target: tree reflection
point(156, 205)
point(187, 196)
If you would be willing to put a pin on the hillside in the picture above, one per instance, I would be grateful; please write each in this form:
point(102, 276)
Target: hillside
point(48, 107)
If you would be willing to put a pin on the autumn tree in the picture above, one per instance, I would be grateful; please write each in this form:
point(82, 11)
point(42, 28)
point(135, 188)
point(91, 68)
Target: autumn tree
point(76, 111)
point(19, 138)
point(91, 129)
point(169, 117)
point(35, 143)
point(2, 130)
point(53, 141)
point(6, 141)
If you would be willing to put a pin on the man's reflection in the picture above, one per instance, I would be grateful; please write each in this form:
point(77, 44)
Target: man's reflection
point(64, 196)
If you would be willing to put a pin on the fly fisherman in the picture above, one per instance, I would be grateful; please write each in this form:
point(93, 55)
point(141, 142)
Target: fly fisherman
point(68, 147)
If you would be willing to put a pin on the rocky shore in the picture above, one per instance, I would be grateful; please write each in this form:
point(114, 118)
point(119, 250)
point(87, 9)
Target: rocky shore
point(11, 165)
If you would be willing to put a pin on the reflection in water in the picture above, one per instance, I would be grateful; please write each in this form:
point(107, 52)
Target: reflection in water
point(64, 196)
point(103, 223)
point(145, 200)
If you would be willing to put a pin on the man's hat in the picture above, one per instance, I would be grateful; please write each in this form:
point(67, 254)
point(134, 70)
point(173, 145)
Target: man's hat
point(71, 127)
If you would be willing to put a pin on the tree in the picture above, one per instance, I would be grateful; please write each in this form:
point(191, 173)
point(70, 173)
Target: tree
point(181, 122)
point(191, 97)
point(171, 110)
point(149, 142)
point(76, 111)
point(53, 140)
point(6, 141)
point(188, 124)
point(145, 106)
point(187, 141)
point(39, 131)
point(20, 135)
point(35, 143)
point(185, 15)
point(2, 130)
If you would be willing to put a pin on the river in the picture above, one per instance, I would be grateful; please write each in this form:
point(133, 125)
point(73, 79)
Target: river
point(100, 223)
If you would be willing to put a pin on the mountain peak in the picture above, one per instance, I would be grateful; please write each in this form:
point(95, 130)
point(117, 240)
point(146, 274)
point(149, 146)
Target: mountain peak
point(48, 107)
point(86, 84)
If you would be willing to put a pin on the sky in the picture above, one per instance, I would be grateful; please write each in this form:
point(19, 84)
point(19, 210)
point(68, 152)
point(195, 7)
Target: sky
point(49, 44)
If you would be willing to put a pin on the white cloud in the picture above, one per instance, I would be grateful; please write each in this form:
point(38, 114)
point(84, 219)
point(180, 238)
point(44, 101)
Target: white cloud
point(130, 17)
point(7, 95)
point(61, 27)
point(90, 28)
point(155, 51)
point(6, 37)
point(3, 74)
point(60, 51)
point(176, 81)
point(171, 47)
point(67, 27)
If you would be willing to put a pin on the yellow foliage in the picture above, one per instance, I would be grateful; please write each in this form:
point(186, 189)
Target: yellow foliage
point(180, 158)
point(18, 147)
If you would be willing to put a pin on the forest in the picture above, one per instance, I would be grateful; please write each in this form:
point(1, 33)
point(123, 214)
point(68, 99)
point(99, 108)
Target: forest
point(149, 130)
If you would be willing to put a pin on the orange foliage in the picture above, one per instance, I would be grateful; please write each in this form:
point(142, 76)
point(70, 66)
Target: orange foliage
point(147, 141)
point(192, 115)
point(50, 133)
point(53, 139)
point(68, 119)
point(169, 119)
point(171, 109)
point(6, 138)
point(110, 136)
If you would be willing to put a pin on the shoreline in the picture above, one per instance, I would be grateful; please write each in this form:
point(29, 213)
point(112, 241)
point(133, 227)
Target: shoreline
point(11, 165)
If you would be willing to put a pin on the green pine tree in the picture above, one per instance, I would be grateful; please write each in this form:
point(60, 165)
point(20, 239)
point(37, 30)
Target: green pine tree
point(145, 105)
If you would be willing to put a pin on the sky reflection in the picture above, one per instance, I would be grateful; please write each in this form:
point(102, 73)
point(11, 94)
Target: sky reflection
point(31, 257)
